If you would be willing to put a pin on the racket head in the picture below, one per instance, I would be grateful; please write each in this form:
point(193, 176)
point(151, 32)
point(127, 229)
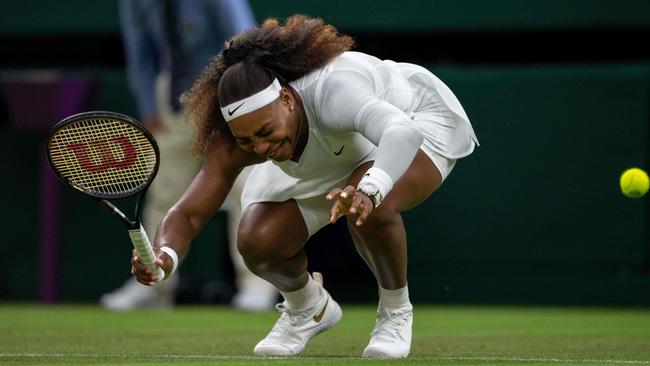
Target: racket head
point(102, 154)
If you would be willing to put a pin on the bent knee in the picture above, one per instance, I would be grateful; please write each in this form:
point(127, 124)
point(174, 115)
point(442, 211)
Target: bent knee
point(265, 243)
point(256, 244)
point(384, 217)
point(268, 232)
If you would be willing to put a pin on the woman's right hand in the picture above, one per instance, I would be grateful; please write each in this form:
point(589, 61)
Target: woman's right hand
point(143, 274)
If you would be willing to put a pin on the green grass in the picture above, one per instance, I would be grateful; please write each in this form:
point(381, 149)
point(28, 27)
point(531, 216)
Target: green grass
point(87, 335)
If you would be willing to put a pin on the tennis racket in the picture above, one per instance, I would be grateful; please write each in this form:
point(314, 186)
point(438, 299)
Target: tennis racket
point(108, 156)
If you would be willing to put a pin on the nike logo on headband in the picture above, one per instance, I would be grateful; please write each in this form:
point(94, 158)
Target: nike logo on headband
point(231, 112)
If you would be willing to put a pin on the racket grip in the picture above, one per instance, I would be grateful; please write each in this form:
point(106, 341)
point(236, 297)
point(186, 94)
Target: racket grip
point(143, 246)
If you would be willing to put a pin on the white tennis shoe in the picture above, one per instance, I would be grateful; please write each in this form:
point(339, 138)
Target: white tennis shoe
point(294, 329)
point(391, 337)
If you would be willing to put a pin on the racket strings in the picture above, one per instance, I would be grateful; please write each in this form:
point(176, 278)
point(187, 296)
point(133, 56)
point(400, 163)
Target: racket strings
point(122, 178)
point(103, 156)
point(102, 167)
point(101, 160)
point(105, 159)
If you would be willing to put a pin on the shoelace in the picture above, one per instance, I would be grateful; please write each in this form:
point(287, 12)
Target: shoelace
point(390, 322)
point(287, 318)
point(293, 316)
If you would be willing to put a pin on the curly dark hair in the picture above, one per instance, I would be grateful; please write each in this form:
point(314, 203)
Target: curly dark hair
point(249, 63)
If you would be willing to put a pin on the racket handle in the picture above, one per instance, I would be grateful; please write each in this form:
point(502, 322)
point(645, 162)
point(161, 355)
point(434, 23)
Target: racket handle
point(143, 246)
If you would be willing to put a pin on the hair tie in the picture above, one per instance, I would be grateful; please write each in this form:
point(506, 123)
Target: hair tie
point(233, 55)
point(255, 55)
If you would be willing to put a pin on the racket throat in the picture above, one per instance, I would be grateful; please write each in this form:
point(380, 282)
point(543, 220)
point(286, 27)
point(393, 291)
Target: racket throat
point(120, 215)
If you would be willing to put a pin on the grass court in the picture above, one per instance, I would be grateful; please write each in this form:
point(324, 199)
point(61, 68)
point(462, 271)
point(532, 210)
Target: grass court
point(443, 335)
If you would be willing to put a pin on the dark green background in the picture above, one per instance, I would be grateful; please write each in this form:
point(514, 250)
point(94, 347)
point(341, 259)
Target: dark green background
point(534, 216)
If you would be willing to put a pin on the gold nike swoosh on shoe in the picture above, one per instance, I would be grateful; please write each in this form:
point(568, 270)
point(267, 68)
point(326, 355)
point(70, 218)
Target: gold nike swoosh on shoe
point(319, 316)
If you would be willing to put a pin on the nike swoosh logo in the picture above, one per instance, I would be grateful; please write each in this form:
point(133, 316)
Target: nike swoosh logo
point(230, 112)
point(319, 316)
point(340, 151)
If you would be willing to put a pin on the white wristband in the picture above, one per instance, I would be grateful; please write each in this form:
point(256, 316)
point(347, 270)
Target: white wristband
point(172, 253)
point(376, 181)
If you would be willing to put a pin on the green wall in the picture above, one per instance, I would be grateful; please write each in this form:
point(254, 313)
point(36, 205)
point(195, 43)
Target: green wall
point(535, 214)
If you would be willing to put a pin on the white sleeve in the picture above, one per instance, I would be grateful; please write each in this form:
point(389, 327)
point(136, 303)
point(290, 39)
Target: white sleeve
point(348, 104)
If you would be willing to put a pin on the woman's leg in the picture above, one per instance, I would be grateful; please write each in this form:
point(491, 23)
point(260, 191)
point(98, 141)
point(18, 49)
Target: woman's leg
point(271, 240)
point(271, 237)
point(253, 293)
point(381, 240)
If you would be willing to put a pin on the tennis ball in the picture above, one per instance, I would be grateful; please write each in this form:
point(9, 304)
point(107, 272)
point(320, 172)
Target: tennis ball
point(634, 182)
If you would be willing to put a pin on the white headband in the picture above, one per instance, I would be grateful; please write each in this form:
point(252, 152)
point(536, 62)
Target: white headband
point(252, 103)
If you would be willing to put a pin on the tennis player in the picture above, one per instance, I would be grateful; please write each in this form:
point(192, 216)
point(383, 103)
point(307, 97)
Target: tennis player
point(334, 133)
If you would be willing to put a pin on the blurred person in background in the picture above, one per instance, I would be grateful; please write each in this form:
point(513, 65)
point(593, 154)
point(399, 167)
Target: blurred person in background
point(331, 133)
point(167, 44)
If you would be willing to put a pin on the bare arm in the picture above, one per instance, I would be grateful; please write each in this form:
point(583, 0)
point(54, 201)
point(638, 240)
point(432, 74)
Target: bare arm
point(199, 203)
point(204, 196)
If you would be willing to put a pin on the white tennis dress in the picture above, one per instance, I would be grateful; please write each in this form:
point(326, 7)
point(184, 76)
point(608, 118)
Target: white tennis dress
point(360, 108)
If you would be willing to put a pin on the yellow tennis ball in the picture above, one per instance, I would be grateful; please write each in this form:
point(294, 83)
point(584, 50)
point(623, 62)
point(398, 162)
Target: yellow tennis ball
point(634, 182)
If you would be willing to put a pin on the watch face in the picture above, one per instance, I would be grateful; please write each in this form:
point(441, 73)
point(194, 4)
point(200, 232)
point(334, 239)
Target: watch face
point(376, 198)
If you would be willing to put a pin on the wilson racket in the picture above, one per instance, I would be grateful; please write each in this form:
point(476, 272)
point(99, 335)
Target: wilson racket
point(108, 156)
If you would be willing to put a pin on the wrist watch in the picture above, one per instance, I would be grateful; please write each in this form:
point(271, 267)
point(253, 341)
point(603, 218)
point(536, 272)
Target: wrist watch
point(375, 196)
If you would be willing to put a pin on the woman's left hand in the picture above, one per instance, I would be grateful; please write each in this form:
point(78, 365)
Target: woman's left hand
point(349, 201)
